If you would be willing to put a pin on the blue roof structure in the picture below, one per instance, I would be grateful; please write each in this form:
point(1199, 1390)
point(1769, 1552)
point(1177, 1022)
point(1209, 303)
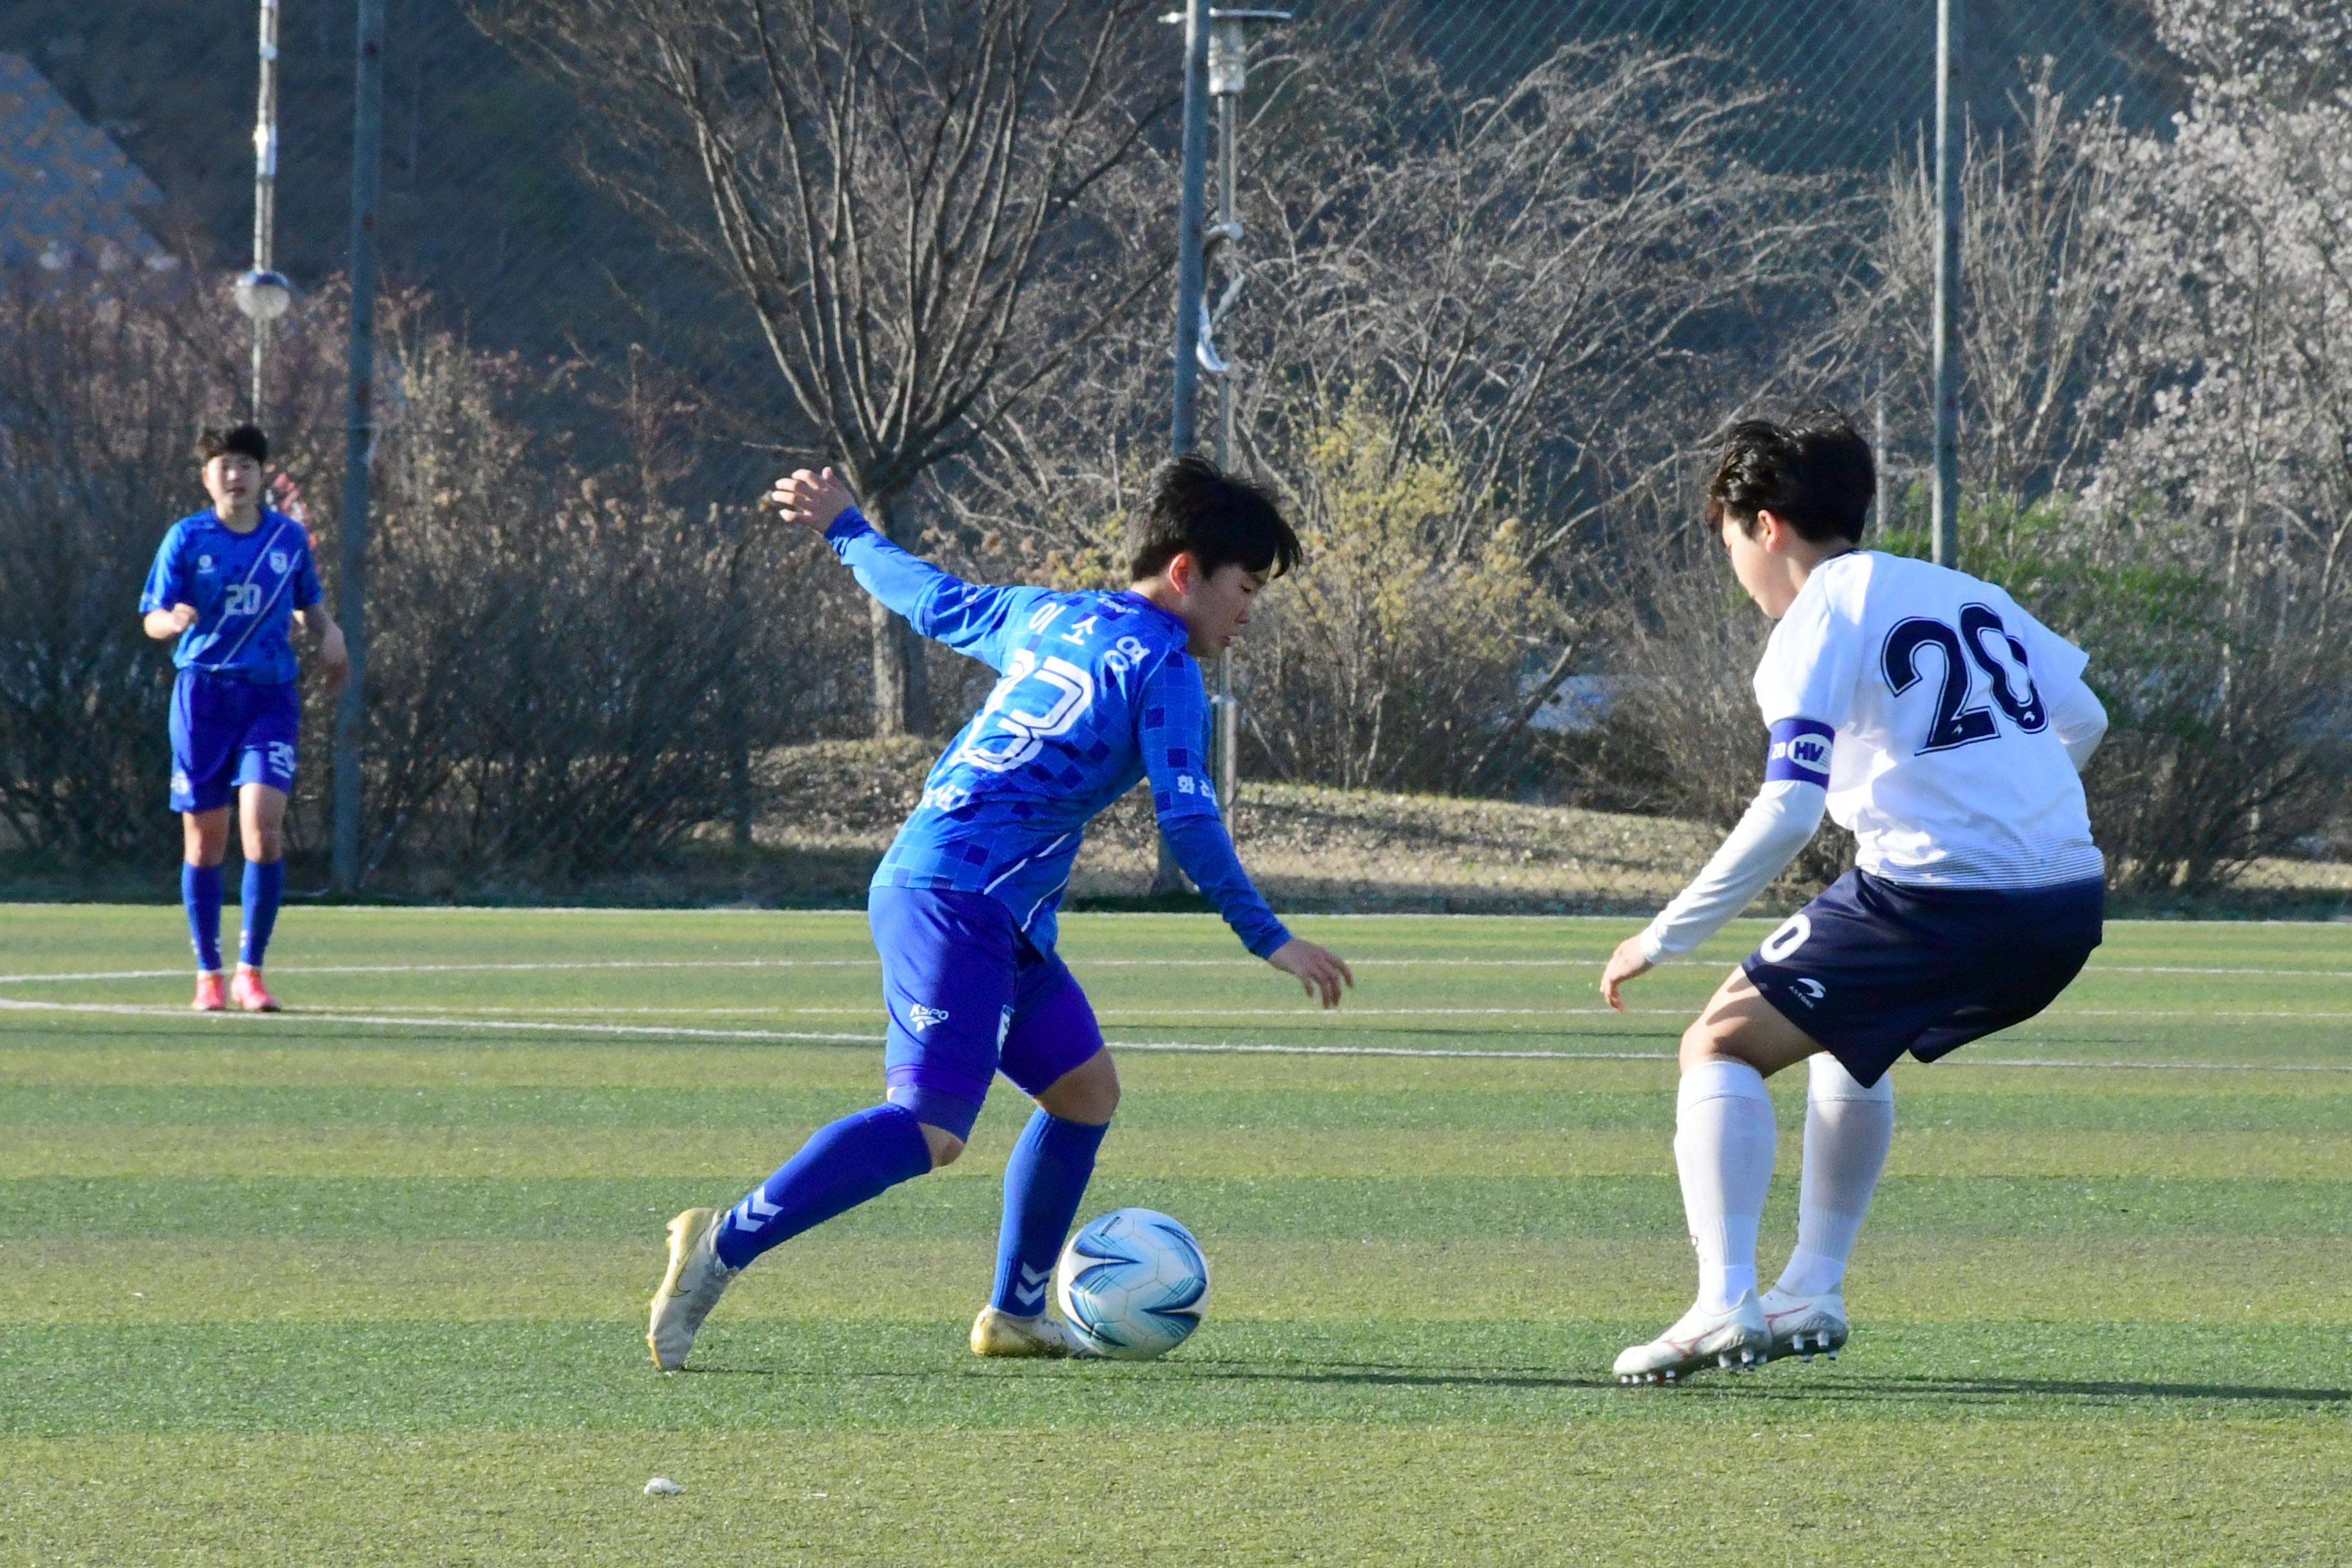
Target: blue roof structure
point(66, 190)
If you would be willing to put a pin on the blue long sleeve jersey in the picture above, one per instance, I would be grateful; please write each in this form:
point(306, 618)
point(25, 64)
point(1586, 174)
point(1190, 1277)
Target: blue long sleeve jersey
point(1097, 691)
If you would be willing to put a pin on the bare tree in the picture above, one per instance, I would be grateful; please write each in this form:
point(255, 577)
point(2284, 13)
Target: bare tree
point(2042, 246)
point(1556, 283)
point(883, 181)
point(2232, 480)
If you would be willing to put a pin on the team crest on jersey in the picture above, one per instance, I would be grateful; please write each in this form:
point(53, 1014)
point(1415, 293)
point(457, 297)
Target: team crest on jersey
point(278, 559)
point(204, 563)
point(919, 1017)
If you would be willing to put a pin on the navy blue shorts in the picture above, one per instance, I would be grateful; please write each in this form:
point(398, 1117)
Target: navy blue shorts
point(227, 732)
point(968, 997)
point(1871, 968)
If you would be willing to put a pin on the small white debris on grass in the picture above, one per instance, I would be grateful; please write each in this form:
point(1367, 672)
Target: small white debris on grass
point(661, 1485)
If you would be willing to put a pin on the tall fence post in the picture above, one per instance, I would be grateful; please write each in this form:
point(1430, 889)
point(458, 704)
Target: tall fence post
point(359, 436)
point(1948, 105)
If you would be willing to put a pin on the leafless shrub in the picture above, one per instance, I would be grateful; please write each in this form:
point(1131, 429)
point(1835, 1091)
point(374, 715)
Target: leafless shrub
point(567, 673)
point(104, 383)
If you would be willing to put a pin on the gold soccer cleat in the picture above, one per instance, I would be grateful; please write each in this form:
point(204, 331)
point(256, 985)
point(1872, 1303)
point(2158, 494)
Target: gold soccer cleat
point(996, 1333)
point(689, 1289)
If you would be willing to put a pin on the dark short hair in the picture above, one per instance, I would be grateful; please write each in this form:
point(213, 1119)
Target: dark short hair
point(1195, 508)
point(1815, 472)
point(246, 440)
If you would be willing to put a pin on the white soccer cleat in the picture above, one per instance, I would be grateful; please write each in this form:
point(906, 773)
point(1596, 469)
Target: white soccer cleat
point(1733, 1338)
point(692, 1287)
point(998, 1333)
point(1805, 1326)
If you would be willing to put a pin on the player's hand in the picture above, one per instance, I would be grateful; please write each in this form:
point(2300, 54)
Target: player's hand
point(1319, 969)
point(811, 500)
point(335, 658)
point(182, 618)
point(1627, 962)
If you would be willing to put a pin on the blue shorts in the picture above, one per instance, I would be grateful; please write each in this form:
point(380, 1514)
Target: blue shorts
point(1872, 968)
point(969, 996)
point(226, 732)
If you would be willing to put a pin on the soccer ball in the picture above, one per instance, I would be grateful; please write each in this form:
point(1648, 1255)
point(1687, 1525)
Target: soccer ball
point(1133, 1284)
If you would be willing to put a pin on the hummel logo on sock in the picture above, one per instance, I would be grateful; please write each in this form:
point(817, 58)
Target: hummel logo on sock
point(1032, 1290)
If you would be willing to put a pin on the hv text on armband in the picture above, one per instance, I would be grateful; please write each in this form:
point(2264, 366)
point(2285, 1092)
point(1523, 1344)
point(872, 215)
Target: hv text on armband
point(1800, 750)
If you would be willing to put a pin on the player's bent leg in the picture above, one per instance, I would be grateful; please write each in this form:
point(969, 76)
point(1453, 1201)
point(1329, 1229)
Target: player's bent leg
point(844, 1164)
point(1725, 1137)
point(1740, 1023)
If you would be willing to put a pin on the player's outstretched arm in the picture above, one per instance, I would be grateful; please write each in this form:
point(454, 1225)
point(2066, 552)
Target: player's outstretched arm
point(968, 617)
point(1782, 818)
point(1185, 802)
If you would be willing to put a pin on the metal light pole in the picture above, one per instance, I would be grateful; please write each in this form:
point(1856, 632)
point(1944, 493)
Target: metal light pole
point(1190, 198)
point(359, 436)
point(1947, 284)
point(263, 293)
point(1228, 79)
point(1166, 877)
point(1215, 65)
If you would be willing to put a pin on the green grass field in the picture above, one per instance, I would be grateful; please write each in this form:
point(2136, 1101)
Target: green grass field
point(364, 1283)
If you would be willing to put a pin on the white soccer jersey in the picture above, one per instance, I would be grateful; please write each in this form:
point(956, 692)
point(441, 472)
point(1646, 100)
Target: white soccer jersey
point(1943, 709)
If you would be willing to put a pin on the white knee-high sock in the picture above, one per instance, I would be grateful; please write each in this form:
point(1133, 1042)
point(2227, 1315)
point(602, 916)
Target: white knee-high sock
point(1724, 1136)
point(1847, 1129)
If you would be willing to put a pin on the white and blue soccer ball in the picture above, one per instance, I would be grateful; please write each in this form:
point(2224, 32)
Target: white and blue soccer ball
point(1133, 1284)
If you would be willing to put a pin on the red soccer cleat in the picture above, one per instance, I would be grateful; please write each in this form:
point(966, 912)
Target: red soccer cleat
point(250, 993)
point(209, 994)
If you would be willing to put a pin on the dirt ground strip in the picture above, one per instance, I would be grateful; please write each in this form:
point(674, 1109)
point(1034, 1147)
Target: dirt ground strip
point(837, 804)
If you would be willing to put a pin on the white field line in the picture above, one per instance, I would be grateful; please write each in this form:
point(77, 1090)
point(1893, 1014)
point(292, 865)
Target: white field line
point(584, 966)
point(1336, 1018)
point(1298, 1016)
point(372, 912)
point(1181, 1048)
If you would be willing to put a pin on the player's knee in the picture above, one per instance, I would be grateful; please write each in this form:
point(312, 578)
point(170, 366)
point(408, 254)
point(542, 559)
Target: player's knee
point(265, 843)
point(1829, 1083)
point(1701, 1042)
point(1088, 1093)
point(946, 1147)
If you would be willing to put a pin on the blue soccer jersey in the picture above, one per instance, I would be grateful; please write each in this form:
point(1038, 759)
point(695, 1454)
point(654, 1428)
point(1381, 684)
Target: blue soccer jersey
point(1097, 691)
point(246, 588)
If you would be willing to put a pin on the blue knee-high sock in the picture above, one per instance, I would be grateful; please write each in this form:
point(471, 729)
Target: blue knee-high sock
point(856, 1158)
point(200, 889)
point(265, 885)
point(1043, 1183)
